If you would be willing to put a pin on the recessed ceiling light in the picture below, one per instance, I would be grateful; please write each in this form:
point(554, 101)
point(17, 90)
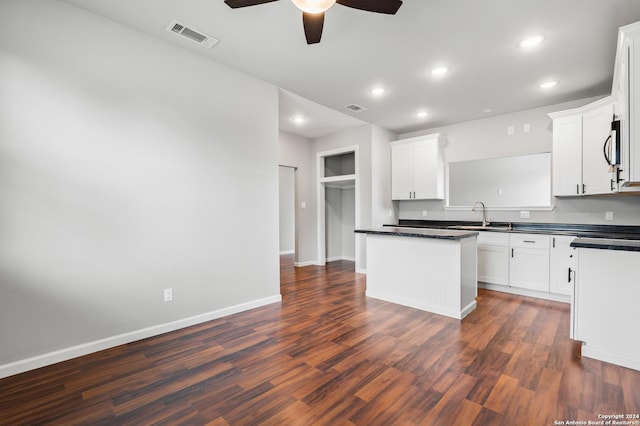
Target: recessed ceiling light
point(439, 71)
point(298, 119)
point(378, 91)
point(548, 84)
point(531, 42)
point(422, 114)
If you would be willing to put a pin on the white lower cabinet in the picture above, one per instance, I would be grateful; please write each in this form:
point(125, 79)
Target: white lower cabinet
point(561, 265)
point(519, 262)
point(493, 258)
point(606, 305)
point(529, 261)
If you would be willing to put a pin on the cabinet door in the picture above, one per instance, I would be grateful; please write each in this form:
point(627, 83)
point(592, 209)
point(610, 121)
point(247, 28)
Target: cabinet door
point(426, 178)
point(493, 264)
point(567, 155)
point(561, 265)
point(401, 172)
point(529, 268)
point(529, 261)
point(596, 127)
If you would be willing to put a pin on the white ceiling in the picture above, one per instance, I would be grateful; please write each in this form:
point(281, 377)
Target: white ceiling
point(477, 40)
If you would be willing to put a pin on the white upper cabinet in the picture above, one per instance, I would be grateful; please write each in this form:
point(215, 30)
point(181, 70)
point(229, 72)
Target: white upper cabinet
point(596, 127)
point(626, 90)
point(417, 168)
point(579, 135)
point(567, 155)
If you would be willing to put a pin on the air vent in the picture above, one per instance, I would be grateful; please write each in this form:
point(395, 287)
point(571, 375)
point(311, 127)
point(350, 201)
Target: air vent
point(196, 36)
point(355, 108)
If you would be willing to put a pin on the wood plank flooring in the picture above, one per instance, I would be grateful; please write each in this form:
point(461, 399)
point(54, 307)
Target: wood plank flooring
point(329, 355)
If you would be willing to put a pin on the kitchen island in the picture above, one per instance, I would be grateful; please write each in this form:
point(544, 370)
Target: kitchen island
point(434, 270)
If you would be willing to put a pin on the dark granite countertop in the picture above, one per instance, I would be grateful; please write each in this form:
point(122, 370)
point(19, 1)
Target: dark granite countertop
point(576, 230)
point(446, 234)
point(606, 244)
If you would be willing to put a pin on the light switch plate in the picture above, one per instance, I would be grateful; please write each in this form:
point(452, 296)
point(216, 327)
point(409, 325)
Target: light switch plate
point(608, 216)
point(524, 214)
point(424, 213)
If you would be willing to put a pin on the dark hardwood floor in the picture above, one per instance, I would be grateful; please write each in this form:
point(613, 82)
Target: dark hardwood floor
point(328, 355)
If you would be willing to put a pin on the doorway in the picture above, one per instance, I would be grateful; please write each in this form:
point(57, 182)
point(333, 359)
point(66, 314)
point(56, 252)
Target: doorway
point(338, 205)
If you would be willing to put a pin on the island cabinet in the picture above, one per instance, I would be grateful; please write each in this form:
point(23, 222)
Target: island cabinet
point(429, 269)
point(417, 168)
point(579, 165)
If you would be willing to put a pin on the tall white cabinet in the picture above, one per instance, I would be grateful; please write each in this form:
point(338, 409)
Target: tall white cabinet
point(417, 168)
point(626, 90)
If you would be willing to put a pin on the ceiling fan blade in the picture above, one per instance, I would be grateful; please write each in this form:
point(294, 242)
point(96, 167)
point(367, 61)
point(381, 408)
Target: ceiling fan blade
point(313, 23)
point(234, 4)
point(381, 6)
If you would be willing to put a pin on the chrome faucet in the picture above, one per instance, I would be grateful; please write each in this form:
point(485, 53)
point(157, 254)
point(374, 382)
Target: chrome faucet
point(485, 222)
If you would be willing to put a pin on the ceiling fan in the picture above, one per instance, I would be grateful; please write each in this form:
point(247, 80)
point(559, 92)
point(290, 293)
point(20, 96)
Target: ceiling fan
point(313, 11)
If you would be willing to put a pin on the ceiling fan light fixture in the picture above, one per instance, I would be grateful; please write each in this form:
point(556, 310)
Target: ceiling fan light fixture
point(314, 6)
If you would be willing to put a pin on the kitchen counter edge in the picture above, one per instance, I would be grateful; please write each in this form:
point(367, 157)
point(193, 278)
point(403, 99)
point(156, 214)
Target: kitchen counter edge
point(443, 234)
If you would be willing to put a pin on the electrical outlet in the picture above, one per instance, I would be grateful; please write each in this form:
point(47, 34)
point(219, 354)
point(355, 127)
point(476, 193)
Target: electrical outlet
point(510, 130)
point(390, 213)
point(303, 205)
point(168, 295)
point(608, 216)
point(526, 128)
point(524, 214)
point(424, 213)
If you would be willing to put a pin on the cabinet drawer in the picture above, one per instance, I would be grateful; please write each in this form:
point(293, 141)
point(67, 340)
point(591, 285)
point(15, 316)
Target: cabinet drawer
point(493, 238)
point(529, 241)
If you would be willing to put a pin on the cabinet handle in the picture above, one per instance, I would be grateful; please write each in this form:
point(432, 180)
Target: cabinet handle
point(529, 241)
point(612, 182)
point(584, 188)
point(569, 276)
point(577, 189)
point(511, 252)
point(410, 195)
point(554, 242)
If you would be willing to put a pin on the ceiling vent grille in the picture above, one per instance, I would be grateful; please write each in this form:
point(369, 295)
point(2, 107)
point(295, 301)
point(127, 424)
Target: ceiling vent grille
point(196, 36)
point(355, 108)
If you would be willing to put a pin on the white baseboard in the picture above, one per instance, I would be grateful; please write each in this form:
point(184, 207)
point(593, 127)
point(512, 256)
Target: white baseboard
point(287, 252)
point(43, 360)
point(524, 292)
point(334, 258)
point(605, 354)
point(307, 263)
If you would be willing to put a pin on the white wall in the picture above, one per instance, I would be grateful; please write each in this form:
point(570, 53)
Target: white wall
point(126, 166)
point(287, 210)
point(488, 138)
